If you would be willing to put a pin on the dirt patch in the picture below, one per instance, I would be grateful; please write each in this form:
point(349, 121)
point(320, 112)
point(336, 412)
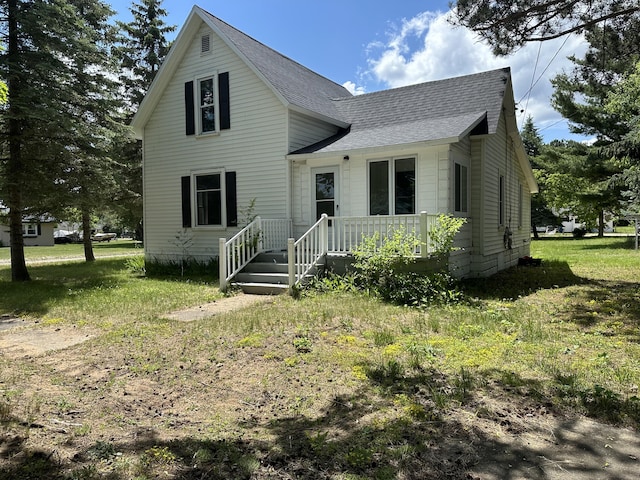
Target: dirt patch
point(224, 305)
point(35, 341)
point(23, 337)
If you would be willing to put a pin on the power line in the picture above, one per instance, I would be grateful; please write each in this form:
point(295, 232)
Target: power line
point(534, 83)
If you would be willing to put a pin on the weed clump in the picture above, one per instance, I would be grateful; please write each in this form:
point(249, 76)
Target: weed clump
point(384, 268)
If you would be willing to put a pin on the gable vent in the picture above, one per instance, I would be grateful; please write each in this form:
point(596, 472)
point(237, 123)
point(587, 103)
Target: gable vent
point(205, 43)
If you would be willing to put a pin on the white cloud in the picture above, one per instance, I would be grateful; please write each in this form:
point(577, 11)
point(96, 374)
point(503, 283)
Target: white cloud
point(353, 88)
point(427, 47)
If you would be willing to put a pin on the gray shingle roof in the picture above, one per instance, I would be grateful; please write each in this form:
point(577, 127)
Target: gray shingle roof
point(442, 109)
point(294, 82)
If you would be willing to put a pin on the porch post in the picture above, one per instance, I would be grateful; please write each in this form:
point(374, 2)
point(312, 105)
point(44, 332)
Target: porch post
point(324, 234)
point(424, 235)
point(291, 251)
point(260, 233)
point(222, 263)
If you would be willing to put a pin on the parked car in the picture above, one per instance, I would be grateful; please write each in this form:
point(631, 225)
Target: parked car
point(103, 237)
point(65, 236)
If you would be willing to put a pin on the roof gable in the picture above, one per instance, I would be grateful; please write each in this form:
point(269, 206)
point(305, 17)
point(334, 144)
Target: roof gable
point(295, 85)
point(438, 111)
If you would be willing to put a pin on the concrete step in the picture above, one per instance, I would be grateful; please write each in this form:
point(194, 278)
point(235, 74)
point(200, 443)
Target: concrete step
point(263, 288)
point(265, 267)
point(262, 277)
point(272, 257)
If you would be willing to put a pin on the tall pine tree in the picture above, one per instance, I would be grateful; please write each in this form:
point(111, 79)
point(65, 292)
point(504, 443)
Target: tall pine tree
point(541, 213)
point(53, 65)
point(142, 49)
point(581, 97)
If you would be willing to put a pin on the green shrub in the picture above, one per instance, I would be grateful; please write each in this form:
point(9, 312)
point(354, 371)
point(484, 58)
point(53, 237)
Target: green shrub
point(136, 265)
point(182, 268)
point(380, 265)
point(579, 232)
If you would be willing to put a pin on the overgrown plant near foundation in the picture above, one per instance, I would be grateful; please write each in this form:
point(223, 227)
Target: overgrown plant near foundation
point(383, 266)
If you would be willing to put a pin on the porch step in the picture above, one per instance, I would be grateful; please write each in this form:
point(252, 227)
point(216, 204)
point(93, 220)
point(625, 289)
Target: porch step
point(267, 274)
point(263, 288)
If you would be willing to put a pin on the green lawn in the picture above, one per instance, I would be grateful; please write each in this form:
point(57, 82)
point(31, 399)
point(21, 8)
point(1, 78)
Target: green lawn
point(72, 250)
point(334, 383)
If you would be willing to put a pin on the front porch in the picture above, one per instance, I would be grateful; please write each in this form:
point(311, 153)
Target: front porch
point(298, 259)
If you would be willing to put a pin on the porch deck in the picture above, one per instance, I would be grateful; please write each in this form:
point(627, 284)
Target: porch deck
point(328, 236)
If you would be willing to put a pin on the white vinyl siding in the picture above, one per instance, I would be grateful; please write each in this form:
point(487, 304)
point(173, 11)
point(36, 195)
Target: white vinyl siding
point(254, 147)
point(305, 131)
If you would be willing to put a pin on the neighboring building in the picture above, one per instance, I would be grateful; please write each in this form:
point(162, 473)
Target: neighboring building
point(228, 120)
point(36, 232)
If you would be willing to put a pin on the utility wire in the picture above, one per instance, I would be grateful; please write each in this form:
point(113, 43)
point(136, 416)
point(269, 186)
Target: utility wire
point(534, 83)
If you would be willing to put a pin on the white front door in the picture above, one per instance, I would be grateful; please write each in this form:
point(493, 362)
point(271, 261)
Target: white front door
point(325, 191)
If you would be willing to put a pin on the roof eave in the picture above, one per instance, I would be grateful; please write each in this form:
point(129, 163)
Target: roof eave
point(374, 150)
point(163, 77)
point(318, 116)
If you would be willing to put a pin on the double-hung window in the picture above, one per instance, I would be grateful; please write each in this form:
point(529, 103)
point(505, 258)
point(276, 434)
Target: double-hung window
point(501, 200)
point(207, 105)
point(209, 195)
point(461, 188)
point(212, 197)
point(392, 186)
point(29, 230)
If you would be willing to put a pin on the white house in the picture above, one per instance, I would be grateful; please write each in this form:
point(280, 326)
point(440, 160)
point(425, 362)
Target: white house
point(35, 232)
point(228, 120)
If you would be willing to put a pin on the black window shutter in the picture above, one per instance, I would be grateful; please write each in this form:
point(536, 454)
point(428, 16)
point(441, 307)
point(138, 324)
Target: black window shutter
point(189, 107)
point(39, 229)
point(223, 100)
point(186, 201)
point(232, 201)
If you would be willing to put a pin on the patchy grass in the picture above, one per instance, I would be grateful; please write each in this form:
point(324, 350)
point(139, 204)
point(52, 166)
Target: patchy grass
point(75, 250)
point(101, 294)
point(334, 386)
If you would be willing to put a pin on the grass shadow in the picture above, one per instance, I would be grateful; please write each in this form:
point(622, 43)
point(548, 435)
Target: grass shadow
point(396, 426)
point(57, 282)
point(612, 308)
point(520, 281)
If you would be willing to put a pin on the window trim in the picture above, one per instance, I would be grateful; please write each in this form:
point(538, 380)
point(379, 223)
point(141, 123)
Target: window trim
point(26, 230)
point(458, 190)
point(198, 106)
point(223, 199)
point(391, 176)
point(501, 200)
point(520, 205)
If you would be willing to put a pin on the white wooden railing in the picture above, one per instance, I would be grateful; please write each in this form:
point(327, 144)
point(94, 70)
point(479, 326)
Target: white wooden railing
point(337, 235)
point(275, 233)
point(306, 253)
point(345, 233)
point(244, 246)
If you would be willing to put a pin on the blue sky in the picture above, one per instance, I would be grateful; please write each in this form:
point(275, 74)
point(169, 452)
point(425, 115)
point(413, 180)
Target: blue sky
point(378, 44)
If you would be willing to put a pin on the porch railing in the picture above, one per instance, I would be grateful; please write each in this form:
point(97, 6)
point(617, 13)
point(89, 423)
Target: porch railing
point(346, 233)
point(306, 253)
point(244, 246)
point(338, 235)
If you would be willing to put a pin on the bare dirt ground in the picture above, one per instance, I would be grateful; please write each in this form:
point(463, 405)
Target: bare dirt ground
point(486, 439)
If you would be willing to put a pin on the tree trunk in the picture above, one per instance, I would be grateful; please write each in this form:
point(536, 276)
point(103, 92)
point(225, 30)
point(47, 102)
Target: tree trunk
point(534, 227)
point(19, 272)
point(86, 237)
point(601, 224)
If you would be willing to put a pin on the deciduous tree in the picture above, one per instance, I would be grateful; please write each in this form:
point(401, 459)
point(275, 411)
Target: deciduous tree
point(141, 51)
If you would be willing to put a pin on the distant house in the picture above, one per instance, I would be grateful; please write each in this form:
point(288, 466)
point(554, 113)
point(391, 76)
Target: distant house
point(228, 120)
point(35, 232)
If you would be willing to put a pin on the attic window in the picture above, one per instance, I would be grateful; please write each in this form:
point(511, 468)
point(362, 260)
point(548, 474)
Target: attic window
point(205, 43)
